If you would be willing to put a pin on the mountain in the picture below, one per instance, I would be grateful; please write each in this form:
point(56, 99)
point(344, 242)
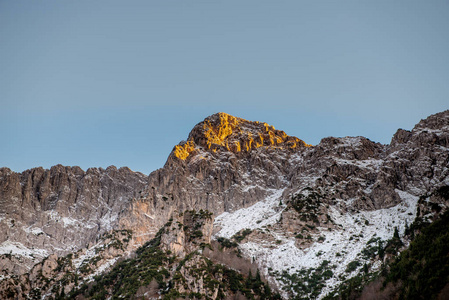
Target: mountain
point(59, 210)
point(304, 218)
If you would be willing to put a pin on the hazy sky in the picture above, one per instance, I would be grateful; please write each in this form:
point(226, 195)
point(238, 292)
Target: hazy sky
point(99, 83)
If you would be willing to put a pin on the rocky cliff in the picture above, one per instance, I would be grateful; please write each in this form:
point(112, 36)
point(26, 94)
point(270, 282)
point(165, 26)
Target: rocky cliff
point(226, 163)
point(60, 210)
point(172, 265)
point(289, 207)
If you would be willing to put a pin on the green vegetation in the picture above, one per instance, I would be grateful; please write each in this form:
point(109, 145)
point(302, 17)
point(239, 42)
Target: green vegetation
point(394, 244)
point(241, 235)
point(423, 269)
point(306, 283)
point(127, 276)
point(226, 243)
point(64, 262)
point(307, 206)
point(350, 289)
point(373, 247)
point(201, 214)
point(238, 237)
point(163, 274)
point(419, 272)
point(229, 281)
point(117, 237)
point(196, 234)
point(352, 266)
point(443, 192)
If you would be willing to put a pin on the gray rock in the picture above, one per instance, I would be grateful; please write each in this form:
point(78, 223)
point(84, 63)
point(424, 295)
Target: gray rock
point(227, 163)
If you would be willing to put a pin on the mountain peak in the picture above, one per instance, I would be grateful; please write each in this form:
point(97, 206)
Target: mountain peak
point(224, 132)
point(436, 121)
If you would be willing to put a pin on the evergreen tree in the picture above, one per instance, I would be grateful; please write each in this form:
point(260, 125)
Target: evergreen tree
point(396, 233)
point(258, 275)
point(257, 281)
point(249, 281)
point(381, 250)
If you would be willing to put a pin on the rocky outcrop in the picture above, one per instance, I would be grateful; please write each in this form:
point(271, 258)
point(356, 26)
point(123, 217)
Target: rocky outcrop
point(58, 275)
point(226, 164)
point(186, 231)
point(221, 132)
point(366, 174)
point(62, 209)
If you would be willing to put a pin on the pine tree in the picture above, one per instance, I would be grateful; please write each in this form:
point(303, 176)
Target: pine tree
point(396, 233)
point(249, 281)
point(258, 276)
point(365, 268)
point(381, 250)
point(257, 281)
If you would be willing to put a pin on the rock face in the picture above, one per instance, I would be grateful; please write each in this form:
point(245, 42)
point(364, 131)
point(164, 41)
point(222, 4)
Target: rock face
point(343, 196)
point(365, 174)
point(171, 265)
point(226, 164)
point(62, 209)
point(187, 231)
point(59, 275)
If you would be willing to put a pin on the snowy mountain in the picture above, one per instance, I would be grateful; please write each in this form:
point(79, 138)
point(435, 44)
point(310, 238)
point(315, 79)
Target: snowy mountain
point(304, 218)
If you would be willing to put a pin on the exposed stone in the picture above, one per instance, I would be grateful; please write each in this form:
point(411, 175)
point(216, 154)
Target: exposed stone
point(227, 163)
point(187, 231)
point(63, 209)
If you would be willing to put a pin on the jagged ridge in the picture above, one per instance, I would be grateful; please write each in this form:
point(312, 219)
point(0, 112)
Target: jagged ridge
point(220, 132)
point(349, 177)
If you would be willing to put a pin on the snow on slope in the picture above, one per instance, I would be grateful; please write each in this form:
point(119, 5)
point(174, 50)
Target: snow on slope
point(341, 245)
point(260, 214)
point(16, 248)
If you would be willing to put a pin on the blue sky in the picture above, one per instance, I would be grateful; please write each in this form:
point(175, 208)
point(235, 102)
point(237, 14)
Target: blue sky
point(99, 83)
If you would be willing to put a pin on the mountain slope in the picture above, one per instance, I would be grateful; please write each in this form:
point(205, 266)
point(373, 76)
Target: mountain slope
point(346, 198)
point(59, 210)
point(419, 272)
point(308, 217)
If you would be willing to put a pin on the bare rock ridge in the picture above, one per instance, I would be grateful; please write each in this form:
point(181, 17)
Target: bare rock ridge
point(415, 161)
point(221, 132)
point(60, 210)
point(65, 208)
point(225, 165)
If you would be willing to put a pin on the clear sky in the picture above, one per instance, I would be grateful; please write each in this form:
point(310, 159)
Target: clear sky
point(99, 83)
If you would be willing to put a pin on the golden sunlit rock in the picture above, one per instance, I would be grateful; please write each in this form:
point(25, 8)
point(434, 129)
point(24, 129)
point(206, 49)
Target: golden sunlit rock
point(183, 151)
point(223, 132)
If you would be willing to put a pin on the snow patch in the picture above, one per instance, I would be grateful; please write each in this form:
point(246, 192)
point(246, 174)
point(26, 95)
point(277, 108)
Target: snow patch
point(258, 215)
point(341, 246)
point(69, 221)
point(107, 220)
point(366, 164)
point(147, 215)
point(104, 266)
point(34, 230)
point(16, 248)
